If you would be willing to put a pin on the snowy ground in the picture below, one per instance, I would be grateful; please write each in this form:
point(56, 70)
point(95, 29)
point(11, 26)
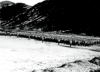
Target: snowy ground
point(23, 55)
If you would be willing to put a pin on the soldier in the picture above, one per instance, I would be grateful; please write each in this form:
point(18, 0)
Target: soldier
point(73, 42)
point(10, 34)
point(76, 42)
point(83, 42)
point(70, 43)
point(17, 35)
point(5, 33)
point(42, 39)
point(58, 41)
point(79, 43)
point(33, 36)
point(29, 37)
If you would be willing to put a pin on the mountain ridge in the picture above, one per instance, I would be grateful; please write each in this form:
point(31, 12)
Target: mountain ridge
point(6, 3)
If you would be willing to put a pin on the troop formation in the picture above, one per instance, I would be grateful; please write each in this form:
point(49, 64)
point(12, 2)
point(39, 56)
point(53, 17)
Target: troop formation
point(65, 39)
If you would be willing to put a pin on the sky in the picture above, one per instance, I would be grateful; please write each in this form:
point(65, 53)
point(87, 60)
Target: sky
point(29, 2)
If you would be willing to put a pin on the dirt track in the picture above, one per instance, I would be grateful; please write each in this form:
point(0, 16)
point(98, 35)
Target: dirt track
point(23, 55)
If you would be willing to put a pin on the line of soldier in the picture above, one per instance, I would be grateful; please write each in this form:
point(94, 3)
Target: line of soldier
point(59, 40)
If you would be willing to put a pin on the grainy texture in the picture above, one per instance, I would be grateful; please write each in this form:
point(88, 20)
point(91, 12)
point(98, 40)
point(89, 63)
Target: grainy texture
point(23, 55)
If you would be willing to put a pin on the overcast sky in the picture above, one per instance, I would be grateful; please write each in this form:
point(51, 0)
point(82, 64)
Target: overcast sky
point(29, 2)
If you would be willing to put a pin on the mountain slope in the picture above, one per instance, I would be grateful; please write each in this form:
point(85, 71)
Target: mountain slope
point(41, 15)
point(77, 15)
point(9, 12)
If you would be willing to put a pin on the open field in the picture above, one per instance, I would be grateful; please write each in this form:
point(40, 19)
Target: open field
point(24, 55)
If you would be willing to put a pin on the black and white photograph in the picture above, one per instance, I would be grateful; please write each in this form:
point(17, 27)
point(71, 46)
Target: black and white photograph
point(49, 36)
